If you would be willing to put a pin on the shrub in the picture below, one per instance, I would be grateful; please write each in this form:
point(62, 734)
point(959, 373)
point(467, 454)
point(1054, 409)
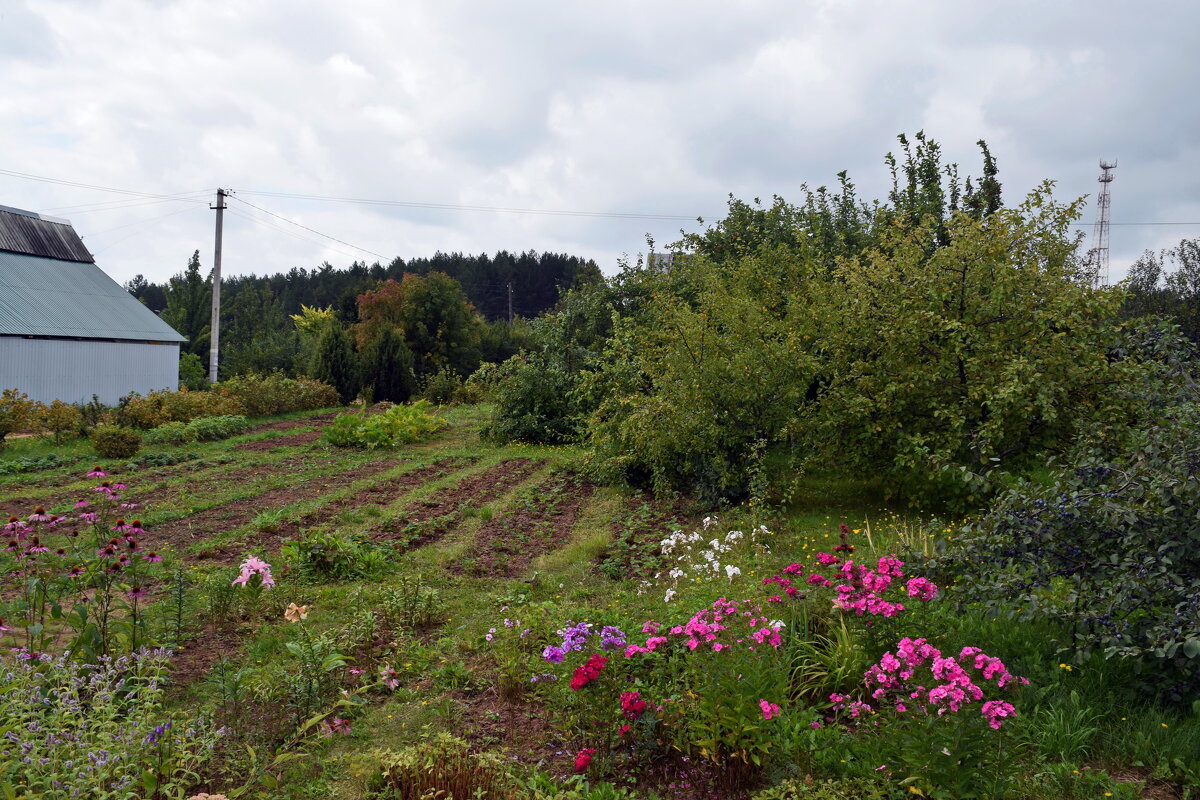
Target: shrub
point(192, 373)
point(387, 368)
point(398, 425)
point(58, 418)
point(442, 387)
point(535, 403)
point(1111, 548)
point(115, 441)
point(275, 393)
point(15, 409)
point(156, 408)
point(211, 429)
point(333, 363)
point(169, 433)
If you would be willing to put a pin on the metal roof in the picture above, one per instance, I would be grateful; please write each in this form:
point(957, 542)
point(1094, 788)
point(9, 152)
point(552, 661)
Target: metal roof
point(50, 297)
point(33, 234)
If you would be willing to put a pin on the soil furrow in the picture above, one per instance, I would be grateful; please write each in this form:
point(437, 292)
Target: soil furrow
point(428, 520)
point(535, 524)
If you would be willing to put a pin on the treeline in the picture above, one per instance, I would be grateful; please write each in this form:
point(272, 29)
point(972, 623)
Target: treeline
point(258, 335)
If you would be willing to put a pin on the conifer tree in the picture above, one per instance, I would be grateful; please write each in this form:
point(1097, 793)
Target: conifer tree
point(334, 364)
point(388, 367)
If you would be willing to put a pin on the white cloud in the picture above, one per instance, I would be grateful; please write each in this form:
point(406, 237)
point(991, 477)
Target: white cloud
point(625, 106)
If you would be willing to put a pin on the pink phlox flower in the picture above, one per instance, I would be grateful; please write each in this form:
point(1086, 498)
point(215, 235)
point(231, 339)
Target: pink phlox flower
point(995, 710)
point(794, 568)
point(650, 627)
point(921, 588)
point(769, 710)
point(826, 559)
point(891, 567)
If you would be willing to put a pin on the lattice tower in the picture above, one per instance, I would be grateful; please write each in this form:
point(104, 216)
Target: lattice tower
point(1098, 255)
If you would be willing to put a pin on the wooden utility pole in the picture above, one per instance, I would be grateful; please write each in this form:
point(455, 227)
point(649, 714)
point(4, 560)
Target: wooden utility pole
point(215, 326)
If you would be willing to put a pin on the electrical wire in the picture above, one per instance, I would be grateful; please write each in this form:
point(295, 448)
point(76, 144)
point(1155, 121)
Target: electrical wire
point(305, 227)
point(461, 207)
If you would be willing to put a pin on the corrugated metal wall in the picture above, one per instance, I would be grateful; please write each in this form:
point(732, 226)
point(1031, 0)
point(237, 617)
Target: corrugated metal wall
point(69, 370)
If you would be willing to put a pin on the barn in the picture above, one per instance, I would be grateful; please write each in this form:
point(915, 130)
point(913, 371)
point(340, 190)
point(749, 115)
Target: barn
point(67, 330)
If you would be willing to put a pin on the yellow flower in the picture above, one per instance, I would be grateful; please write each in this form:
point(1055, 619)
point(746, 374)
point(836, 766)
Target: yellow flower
point(1164, 724)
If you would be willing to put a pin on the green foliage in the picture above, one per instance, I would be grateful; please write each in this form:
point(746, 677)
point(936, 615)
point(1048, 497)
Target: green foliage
point(1111, 547)
point(333, 364)
point(27, 464)
point(157, 408)
point(193, 374)
point(15, 411)
point(58, 419)
point(439, 325)
point(387, 368)
point(324, 556)
point(1167, 284)
point(396, 426)
point(128, 743)
point(189, 307)
point(538, 393)
point(267, 394)
point(115, 441)
point(442, 387)
point(201, 429)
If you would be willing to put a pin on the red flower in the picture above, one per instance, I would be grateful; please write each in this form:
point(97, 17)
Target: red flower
point(584, 758)
point(586, 673)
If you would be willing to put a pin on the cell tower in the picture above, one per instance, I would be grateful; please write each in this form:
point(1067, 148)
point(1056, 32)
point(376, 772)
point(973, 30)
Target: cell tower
point(1098, 255)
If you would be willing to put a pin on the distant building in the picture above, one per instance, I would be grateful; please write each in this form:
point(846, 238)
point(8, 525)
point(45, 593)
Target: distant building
point(67, 330)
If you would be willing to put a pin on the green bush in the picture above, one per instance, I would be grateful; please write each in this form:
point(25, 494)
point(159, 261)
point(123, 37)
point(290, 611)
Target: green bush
point(20, 465)
point(211, 429)
point(535, 402)
point(387, 368)
point(115, 441)
point(15, 411)
point(157, 408)
point(442, 387)
point(396, 426)
point(192, 372)
point(275, 393)
point(58, 419)
point(169, 433)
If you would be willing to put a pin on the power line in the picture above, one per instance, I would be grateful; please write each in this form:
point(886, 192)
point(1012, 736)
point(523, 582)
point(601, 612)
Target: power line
point(461, 207)
point(44, 179)
point(286, 232)
point(305, 227)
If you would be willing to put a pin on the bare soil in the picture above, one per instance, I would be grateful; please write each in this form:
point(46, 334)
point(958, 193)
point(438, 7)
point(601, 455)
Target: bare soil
point(429, 519)
point(506, 545)
point(294, 440)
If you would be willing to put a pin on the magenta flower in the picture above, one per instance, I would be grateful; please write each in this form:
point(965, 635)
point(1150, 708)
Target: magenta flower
point(769, 710)
point(152, 557)
point(136, 593)
point(97, 472)
point(39, 515)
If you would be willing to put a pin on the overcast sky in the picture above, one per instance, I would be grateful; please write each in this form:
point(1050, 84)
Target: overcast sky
point(621, 107)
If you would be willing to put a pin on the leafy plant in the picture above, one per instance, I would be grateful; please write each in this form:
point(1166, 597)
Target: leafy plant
point(324, 556)
point(396, 426)
point(115, 441)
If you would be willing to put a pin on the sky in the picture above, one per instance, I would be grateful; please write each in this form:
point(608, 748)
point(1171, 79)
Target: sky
point(612, 121)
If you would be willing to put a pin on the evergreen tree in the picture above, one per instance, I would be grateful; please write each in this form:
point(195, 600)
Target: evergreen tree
point(388, 367)
point(189, 307)
point(334, 363)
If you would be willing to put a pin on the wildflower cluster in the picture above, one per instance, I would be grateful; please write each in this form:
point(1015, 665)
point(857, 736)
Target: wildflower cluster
point(725, 624)
point(695, 557)
point(952, 687)
point(576, 635)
